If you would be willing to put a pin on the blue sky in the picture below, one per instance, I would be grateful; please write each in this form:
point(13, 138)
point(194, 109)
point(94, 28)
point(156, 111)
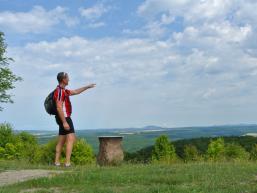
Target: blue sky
point(155, 62)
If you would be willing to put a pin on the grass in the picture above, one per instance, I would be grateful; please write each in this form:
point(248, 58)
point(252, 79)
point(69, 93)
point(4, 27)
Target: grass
point(205, 177)
point(21, 164)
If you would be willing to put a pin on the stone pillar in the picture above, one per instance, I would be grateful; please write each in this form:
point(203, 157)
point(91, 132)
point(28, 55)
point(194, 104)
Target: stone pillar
point(110, 150)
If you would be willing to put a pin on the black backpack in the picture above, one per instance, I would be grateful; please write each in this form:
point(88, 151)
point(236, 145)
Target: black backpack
point(50, 105)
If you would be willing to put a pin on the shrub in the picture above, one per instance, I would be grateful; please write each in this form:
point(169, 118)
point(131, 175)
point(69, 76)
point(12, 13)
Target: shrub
point(253, 153)
point(47, 152)
point(235, 152)
point(191, 153)
point(216, 149)
point(82, 153)
point(2, 153)
point(163, 151)
point(27, 146)
point(6, 134)
point(17, 146)
point(11, 152)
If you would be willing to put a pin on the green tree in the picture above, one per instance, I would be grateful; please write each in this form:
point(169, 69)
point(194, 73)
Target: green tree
point(191, 153)
point(7, 78)
point(216, 149)
point(163, 150)
point(235, 152)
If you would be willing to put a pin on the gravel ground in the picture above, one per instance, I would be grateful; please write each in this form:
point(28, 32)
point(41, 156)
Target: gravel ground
point(14, 176)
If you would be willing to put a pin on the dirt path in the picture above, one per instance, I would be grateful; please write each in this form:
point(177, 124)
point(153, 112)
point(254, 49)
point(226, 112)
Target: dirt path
point(13, 176)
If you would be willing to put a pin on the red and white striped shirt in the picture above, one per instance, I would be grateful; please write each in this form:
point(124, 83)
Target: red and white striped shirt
point(62, 94)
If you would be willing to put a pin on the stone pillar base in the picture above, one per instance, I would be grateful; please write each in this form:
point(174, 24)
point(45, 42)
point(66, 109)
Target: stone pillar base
point(110, 150)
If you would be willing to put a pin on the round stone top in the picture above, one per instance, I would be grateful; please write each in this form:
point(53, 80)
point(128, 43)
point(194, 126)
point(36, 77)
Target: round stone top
point(110, 136)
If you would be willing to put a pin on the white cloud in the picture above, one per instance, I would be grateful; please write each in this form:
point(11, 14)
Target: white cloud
point(95, 12)
point(154, 29)
point(154, 81)
point(96, 24)
point(208, 10)
point(202, 73)
point(37, 20)
point(109, 60)
point(152, 7)
point(189, 9)
point(210, 92)
point(167, 19)
point(211, 34)
point(246, 13)
point(222, 16)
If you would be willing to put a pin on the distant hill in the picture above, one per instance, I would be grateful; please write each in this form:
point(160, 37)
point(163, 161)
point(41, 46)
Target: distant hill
point(138, 138)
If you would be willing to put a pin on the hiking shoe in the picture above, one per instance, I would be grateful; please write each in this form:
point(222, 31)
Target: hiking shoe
point(57, 164)
point(67, 165)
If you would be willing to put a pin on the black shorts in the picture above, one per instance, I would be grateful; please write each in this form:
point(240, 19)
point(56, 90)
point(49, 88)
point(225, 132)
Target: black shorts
point(62, 131)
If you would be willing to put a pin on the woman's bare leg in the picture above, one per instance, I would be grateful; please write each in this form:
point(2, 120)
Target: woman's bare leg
point(58, 149)
point(70, 139)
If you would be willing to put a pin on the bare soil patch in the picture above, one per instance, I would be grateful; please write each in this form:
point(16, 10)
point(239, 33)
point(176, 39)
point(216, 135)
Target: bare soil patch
point(14, 176)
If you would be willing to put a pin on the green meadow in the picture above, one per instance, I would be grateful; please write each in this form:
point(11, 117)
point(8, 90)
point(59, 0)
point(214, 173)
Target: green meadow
point(201, 177)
